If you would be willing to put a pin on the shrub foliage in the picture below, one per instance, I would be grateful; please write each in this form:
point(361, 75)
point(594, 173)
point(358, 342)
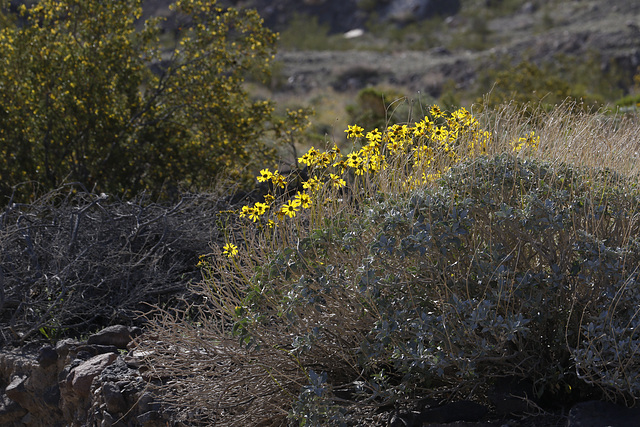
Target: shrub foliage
point(417, 277)
point(87, 97)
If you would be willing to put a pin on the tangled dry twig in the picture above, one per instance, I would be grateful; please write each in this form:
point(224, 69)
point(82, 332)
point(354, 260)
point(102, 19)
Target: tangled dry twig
point(73, 261)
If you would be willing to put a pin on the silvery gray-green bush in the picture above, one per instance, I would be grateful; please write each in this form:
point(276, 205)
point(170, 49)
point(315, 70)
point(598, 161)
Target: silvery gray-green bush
point(508, 266)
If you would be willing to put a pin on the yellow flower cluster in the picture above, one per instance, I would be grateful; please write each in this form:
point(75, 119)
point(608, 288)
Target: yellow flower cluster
point(422, 151)
point(530, 141)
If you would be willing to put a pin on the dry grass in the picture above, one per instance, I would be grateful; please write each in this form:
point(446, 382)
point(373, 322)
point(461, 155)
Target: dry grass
point(570, 135)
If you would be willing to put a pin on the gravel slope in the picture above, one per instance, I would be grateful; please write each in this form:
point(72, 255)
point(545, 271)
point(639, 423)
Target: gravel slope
point(579, 27)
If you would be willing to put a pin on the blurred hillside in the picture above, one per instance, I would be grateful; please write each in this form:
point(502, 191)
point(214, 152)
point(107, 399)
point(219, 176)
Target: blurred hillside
point(338, 15)
point(435, 46)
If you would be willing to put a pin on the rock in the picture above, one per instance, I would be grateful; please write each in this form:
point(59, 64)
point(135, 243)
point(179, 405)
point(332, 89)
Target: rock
point(47, 356)
point(63, 347)
point(113, 398)
point(118, 335)
point(82, 376)
point(17, 391)
point(86, 351)
point(51, 397)
point(595, 413)
point(10, 411)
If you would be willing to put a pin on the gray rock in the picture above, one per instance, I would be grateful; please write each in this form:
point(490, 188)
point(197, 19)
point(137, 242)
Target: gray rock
point(113, 398)
point(118, 335)
point(17, 391)
point(10, 411)
point(47, 356)
point(82, 376)
point(63, 346)
point(595, 413)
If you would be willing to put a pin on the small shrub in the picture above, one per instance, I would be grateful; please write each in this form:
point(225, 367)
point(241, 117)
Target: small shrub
point(581, 81)
point(74, 261)
point(374, 108)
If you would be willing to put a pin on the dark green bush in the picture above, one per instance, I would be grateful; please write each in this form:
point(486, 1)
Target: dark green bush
point(378, 108)
point(89, 98)
point(581, 80)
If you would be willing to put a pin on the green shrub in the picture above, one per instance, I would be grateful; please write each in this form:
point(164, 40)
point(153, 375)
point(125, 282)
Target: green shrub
point(472, 279)
point(374, 108)
point(88, 98)
point(579, 80)
point(304, 32)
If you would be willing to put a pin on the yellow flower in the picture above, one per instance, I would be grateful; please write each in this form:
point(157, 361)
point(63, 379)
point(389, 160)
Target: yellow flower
point(290, 208)
point(261, 208)
point(312, 184)
point(530, 140)
point(278, 180)
point(269, 199)
point(265, 175)
point(353, 159)
point(354, 131)
point(440, 134)
point(394, 145)
point(306, 159)
point(374, 136)
point(254, 214)
point(310, 157)
point(337, 181)
point(436, 112)
point(246, 210)
point(397, 132)
point(230, 250)
point(334, 152)
point(304, 199)
point(324, 159)
point(202, 261)
point(341, 164)
point(419, 128)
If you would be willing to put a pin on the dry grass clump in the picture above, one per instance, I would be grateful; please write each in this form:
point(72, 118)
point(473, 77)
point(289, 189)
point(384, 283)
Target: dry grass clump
point(573, 136)
point(432, 259)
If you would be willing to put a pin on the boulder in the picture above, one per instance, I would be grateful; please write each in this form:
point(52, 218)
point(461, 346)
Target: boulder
point(81, 377)
point(10, 411)
point(118, 335)
point(594, 413)
point(113, 398)
point(47, 356)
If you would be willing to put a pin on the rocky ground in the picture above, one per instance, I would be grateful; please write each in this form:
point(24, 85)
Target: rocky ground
point(103, 381)
point(611, 29)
